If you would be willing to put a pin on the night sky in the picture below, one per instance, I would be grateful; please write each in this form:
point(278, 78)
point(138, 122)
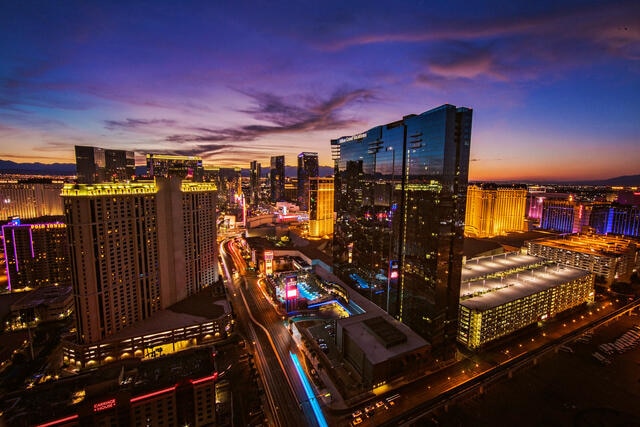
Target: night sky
point(555, 85)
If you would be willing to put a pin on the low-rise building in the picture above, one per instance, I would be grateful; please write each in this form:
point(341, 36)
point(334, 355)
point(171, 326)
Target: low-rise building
point(501, 295)
point(609, 257)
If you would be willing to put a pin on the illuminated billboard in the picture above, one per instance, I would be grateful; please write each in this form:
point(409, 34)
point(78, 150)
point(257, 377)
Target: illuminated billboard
point(291, 286)
point(268, 262)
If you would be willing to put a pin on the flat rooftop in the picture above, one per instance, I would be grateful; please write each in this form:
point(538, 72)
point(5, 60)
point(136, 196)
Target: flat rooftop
point(593, 244)
point(477, 268)
point(46, 295)
point(381, 336)
point(194, 310)
point(497, 292)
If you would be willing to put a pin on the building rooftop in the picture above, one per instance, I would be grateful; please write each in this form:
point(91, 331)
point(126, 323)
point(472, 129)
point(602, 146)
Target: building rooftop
point(482, 267)
point(128, 378)
point(46, 295)
point(491, 293)
point(594, 244)
point(194, 310)
point(381, 336)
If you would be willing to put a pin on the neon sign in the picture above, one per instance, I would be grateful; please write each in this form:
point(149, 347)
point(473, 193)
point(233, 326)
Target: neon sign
point(103, 406)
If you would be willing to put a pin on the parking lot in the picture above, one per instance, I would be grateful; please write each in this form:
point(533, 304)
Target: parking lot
point(569, 388)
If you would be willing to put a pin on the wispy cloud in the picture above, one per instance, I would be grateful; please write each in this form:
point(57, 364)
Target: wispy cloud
point(136, 124)
point(283, 116)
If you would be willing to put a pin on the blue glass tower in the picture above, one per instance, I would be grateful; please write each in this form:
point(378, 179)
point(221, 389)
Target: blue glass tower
point(400, 193)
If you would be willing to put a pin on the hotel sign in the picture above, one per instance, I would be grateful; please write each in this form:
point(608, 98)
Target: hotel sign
point(103, 406)
point(352, 137)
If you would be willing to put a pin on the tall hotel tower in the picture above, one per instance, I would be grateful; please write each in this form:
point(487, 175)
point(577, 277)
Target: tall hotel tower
point(494, 209)
point(255, 171)
point(400, 199)
point(307, 168)
point(276, 178)
point(136, 248)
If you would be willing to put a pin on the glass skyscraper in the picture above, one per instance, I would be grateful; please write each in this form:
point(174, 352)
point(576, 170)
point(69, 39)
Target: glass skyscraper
point(276, 178)
point(307, 168)
point(400, 195)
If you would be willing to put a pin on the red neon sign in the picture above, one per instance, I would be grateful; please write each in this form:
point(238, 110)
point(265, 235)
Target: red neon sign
point(103, 406)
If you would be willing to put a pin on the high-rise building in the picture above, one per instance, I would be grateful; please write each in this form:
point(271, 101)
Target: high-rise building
point(321, 203)
point(616, 219)
point(400, 199)
point(30, 198)
point(254, 182)
point(120, 165)
point(137, 248)
point(36, 255)
point(165, 165)
point(96, 165)
point(276, 178)
point(307, 168)
point(565, 216)
point(495, 209)
point(90, 164)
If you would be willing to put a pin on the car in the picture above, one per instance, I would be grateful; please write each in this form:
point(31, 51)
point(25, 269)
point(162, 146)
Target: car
point(380, 404)
point(357, 414)
point(369, 410)
point(356, 421)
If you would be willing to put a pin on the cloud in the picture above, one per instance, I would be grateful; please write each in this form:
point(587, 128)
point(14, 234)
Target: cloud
point(130, 124)
point(282, 116)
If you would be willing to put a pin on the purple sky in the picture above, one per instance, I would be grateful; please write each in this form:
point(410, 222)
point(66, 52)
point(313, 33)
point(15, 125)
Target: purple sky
point(555, 86)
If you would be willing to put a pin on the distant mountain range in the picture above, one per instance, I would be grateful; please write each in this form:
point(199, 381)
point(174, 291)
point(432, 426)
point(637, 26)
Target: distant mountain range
point(9, 167)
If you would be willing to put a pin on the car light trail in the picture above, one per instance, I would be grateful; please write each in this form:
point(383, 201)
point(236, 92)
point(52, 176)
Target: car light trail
point(309, 391)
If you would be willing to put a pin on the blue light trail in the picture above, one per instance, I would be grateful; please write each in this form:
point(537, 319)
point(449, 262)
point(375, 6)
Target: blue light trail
point(309, 391)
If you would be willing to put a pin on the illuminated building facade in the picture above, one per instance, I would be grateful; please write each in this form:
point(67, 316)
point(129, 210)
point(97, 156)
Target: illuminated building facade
point(493, 210)
point(165, 165)
point(307, 169)
point(321, 211)
point(515, 291)
point(277, 178)
point(36, 255)
point(616, 219)
point(537, 196)
point(565, 216)
point(30, 198)
point(137, 248)
point(400, 193)
point(610, 257)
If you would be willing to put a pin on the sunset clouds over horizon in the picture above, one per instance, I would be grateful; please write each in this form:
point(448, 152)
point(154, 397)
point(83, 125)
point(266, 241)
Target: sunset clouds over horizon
point(554, 85)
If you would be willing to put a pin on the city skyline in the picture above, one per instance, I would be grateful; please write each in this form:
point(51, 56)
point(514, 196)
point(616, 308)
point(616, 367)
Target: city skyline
point(552, 86)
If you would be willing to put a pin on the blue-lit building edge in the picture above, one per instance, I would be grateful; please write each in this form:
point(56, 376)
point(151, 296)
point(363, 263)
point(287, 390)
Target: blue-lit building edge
point(567, 217)
point(622, 220)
